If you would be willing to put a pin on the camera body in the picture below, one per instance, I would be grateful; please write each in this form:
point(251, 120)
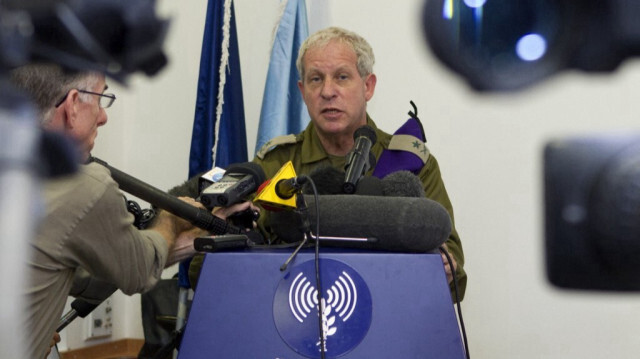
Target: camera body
point(504, 45)
point(592, 184)
point(592, 212)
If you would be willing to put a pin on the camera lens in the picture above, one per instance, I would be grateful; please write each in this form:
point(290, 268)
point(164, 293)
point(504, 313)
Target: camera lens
point(497, 44)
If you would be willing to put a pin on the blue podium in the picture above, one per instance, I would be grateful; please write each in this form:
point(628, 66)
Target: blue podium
point(374, 305)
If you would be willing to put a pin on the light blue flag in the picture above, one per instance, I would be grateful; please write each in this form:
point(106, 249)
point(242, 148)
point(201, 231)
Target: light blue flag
point(283, 111)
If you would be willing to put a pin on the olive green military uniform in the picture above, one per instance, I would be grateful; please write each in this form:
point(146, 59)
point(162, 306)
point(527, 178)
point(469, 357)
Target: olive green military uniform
point(306, 153)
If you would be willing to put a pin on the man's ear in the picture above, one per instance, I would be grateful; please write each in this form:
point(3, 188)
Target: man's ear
point(64, 115)
point(369, 86)
point(70, 110)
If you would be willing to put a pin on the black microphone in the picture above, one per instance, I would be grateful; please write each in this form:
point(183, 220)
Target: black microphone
point(358, 162)
point(239, 180)
point(225, 242)
point(199, 217)
point(91, 292)
point(369, 186)
point(396, 224)
point(402, 184)
point(327, 179)
point(286, 188)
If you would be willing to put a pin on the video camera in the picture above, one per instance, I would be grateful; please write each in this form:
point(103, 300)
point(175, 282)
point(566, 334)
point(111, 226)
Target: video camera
point(504, 45)
point(115, 37)
point(592, 184)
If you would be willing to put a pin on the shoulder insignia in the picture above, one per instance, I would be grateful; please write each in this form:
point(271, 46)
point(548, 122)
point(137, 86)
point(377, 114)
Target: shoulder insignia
point(276, 141)
point(410, 144)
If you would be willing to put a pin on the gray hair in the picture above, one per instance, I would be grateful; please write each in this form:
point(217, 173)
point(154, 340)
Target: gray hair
point(364, 52)
point(47, 84)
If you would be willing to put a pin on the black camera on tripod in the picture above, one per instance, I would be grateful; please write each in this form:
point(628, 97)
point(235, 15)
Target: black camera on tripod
point(502, 45)
point(114, 37)
point(592, 183)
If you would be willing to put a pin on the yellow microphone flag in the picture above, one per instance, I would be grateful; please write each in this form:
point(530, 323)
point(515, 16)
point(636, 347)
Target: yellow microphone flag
point(268, 197)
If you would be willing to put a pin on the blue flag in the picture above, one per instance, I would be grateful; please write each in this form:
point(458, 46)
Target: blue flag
point(283, 111)
point(218, 126)
point(219, 136)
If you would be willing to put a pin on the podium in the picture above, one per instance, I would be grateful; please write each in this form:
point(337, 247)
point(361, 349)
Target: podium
point(376, 305)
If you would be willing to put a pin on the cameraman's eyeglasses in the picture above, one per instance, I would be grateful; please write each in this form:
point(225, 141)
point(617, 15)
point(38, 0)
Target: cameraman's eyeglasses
point(106, 99)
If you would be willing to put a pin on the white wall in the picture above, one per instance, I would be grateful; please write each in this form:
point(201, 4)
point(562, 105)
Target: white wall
point(489, 148)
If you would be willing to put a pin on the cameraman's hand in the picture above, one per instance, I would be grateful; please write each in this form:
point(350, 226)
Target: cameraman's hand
point(182, 225)
point(183, 247)
point(170, 226)
point(225, 212)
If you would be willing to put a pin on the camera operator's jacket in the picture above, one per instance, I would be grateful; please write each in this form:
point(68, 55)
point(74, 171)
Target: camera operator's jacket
point(306, 153)
point(87, 226)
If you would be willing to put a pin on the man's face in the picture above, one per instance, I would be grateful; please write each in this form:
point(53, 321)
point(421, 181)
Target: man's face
point(335, 94)
point(90, 116)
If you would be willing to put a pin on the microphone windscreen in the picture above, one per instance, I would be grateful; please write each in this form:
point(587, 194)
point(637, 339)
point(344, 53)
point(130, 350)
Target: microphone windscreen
point(369, 186)
point(248, 168)
point(402, 184)
point(366, 131)
point(328, 180)
point(399, 224)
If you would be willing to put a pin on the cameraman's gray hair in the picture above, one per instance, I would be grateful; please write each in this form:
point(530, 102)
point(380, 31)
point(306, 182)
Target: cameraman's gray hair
point(47, 84)
point(364, 52)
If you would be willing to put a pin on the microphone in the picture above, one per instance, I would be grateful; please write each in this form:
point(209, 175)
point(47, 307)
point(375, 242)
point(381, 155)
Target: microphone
point(208, 178)
point(90, 292)
point(199, 217)
point(287, 188)
point(239, 180)
point(369, 186)
point(328, 180)
point(226, 242)
point(358, 161)
point(79, 308)
point(402, 184)
point(395, 224)
point(277, 194)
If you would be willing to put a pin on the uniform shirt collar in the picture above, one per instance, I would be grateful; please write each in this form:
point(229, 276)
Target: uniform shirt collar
point(312, 150)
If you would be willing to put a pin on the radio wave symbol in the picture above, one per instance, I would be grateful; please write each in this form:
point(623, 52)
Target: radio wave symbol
point(342, 296)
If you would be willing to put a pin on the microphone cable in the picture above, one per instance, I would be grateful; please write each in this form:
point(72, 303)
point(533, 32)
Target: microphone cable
point(457, 295)
point(142, 217)
point(317, 270)
point(301, 208)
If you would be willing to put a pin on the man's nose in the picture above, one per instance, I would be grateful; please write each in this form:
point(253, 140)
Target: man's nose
point(328, 89)
point(102, 120)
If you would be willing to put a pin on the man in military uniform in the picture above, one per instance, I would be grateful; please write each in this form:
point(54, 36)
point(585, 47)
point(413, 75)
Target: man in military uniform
point(336, 82)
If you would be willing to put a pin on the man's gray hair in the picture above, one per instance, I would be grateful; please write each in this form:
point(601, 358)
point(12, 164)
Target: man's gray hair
point(47, 84)
point(364, 52)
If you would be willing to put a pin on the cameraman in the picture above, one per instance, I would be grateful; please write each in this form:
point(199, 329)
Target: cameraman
point(86, 223)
